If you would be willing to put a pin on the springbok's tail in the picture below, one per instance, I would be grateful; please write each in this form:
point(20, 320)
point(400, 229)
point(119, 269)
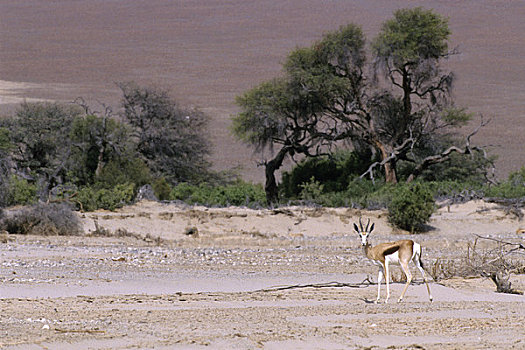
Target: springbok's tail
point(419, 254)
point(421, 261)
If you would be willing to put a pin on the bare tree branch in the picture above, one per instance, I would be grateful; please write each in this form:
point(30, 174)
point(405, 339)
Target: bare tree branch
point(445, 155)
point(394, 155)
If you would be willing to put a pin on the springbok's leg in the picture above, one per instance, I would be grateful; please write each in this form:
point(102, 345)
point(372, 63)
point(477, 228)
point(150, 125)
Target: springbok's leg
point(379, 280)
point(387, 276)
point(417, 262)
point(406, 270)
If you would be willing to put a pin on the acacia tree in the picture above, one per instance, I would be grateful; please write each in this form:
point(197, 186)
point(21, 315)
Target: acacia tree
point(97, 138)
point(170, 139)
point(270, 121)
point(41, 146)
point(408, 50)
point(340, 96)
point(290, 113)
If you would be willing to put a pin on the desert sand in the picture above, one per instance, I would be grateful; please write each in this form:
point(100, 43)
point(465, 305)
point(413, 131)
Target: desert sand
point(149, 284)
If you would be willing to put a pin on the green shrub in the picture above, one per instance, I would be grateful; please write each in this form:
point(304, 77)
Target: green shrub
point(5, 141)
point(162, 189)
point(448, 189)
point(239, 193)
point(124, 171)
point(20, 191)
point(92, 199)
point(363, 193)
point(182, 191)
point(505, 190)
point(242, 193)
point(514, 187)
point(311, 190)
point(361, 187)
point(86, 199)
point(334, 173)
point(98, 140)
point(192, 194)
point(411, 207)
point(459, 168)
point(518, 178)
point(334, 200)
point(43, 219)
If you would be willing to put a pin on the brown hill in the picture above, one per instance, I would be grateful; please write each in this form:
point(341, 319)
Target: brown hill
point(209, 51)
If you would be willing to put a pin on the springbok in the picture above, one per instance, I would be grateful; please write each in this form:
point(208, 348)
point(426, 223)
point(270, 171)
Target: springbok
point(397, 253)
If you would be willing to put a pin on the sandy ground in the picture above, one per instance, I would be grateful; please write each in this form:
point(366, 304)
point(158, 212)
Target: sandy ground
point(156, 287)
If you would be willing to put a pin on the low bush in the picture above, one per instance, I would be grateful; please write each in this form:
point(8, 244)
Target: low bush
point(123, 171)
point(375, 196)
point(363, 193)
point(505, 190)
point(162, 189)
point(182, 191)
point(90, 198)
point(20, 191)
point(43, 219)
point(334, 200)
point(452, 189)
point(311, 190)
point(411, 207)
point(334, 173)
point(360, 193)
point(239, 193)
point(514, 187)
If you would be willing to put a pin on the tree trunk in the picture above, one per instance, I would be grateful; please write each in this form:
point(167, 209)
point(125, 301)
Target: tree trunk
point(390, 173)
point(389, 166)
point(270, 187)
point(102, 148)
point(100, 161)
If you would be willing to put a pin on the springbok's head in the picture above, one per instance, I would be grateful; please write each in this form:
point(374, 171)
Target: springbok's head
point(364, 231)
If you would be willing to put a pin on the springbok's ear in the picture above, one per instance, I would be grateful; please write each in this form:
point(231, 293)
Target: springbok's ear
point(371, 228)
point(356, 228)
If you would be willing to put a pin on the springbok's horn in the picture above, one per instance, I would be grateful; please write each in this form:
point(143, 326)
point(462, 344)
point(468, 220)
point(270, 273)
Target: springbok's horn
point(360, 224)
point(367, 223)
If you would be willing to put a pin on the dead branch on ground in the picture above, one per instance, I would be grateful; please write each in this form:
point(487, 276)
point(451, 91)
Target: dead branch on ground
point(365, 283)
point(494, 263)
point(503, 284)
point(88, 331)
point(511, 206)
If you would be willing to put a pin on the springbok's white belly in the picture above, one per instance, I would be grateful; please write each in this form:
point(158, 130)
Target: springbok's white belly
point(392, 259)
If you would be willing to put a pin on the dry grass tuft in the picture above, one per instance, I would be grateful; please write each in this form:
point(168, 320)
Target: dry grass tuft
point(122, 232)
point(43, 219)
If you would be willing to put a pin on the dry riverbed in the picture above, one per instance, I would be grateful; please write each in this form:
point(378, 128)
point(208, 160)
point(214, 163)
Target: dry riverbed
point(157, 287)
